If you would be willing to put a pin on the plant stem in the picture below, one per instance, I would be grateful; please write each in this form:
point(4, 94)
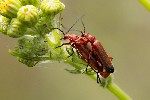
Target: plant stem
point(116, 90)
point(145, 3)
point(113, 88)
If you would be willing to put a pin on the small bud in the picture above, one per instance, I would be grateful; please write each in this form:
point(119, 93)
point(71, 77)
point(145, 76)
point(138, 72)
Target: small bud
point(44, 25)
point(30, 2)
point(16, 28)
point(62, 7)
point(31, 47)
point(29, 62)
point(31, 50)
point(40, 46)
point(52, 7)
point(28, 15)
point(9, 8)
point(4, 22)
point(24, 48)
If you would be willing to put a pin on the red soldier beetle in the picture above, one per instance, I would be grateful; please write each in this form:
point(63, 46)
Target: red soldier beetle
point(78, 43)
point(94, 54)
point(97, 48)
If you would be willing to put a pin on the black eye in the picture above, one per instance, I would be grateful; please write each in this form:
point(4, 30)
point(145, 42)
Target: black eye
point(110, 69)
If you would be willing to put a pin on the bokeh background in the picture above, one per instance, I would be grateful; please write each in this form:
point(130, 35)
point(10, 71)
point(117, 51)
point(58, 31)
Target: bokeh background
point(123, 27)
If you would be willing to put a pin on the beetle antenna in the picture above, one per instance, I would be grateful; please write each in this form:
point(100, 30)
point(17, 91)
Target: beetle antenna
point(75, 23)
point(71, 29)
point(83, 26)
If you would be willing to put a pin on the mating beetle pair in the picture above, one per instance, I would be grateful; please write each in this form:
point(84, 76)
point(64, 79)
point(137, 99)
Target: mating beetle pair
point(91, 51)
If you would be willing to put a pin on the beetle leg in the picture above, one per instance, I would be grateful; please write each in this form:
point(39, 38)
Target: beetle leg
point(98, 78)
point(71, 53)
point(87, 67)
point(62, 45)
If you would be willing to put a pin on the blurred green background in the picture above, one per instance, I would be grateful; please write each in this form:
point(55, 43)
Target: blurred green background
point(123, 27)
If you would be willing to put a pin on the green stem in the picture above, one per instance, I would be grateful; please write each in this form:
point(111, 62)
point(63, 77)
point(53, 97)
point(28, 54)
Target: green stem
point(113, 88)
point(145, 3)
point(116, 90)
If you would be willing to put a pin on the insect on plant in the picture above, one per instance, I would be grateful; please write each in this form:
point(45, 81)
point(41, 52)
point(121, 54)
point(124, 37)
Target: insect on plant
point(97, 60)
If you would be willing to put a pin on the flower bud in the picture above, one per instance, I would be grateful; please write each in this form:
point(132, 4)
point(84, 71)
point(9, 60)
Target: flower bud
point(29, 62)
point(4, 22)
point(31, 50)
point(52, 7)
point(16, 28)
point(40, 46)
point(28, 15)
point(9, 8)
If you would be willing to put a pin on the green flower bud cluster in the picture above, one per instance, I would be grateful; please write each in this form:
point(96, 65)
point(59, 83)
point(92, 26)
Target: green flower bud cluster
point(31, 49)
point(31, 21)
